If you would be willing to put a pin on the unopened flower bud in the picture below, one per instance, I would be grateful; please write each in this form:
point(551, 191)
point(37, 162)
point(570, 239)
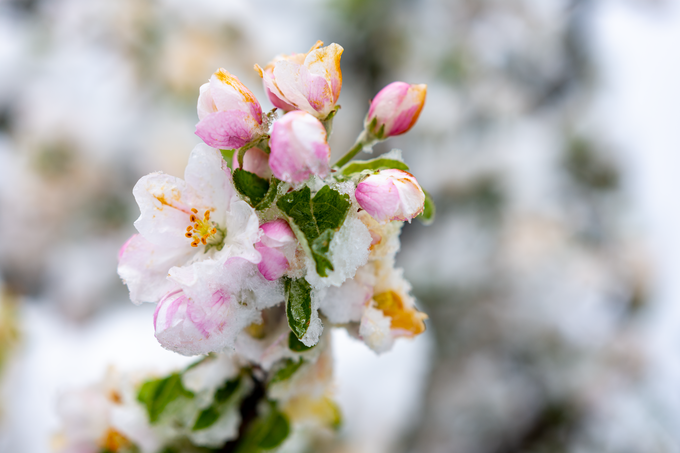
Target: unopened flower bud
point(391, 195)
point(277, 247)
point(229, 114)
point(395, 109)
point(298, 148)
point(310, 81)
point(255, 161)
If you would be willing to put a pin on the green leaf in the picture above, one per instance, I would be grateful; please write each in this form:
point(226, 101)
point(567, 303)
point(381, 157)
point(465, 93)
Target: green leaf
point(228, 156)
point(251, 186)
point(156, 394)
point(269, 196)
point(296, 345)
point(210, 415)
point(374, 164)
point(206, 418)
point(328, 122)
point(427, 216)
point(330, 209)
point(223, 393)
point(316, 218)
point(266, 432)
point(320, 248)
point(298, 305)
point(289, 368)
point(276, 429)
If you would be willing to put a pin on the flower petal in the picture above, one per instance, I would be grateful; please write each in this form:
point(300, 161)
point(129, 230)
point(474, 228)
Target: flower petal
point(274, 263)
point(291, 82)
point(230, 129)
point(206, 105)
point(144, 266)
point(396, 108)
point(273, 93)
point(229, 93)
point(391, 195)
point(298, 148)
point(208, 175)
point(165, 204)
point(216, 302)
point(326, 63)
point(255, 161)
point(243, 230)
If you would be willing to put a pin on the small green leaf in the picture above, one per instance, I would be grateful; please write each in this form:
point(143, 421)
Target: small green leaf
point(276, 429)
point(374, 164)
point(318, 217)
point(210, 415)
point(228, 156)
point(320, 248)
point(269, 196)
point(328, 122)
point(223, 393)
point(427, 216)
point(298, 305)
point(266, 432)
point(158, 393)
point(296, 345)
point(206, 418)
point(330, 209)
point(251, 186)
point(289, 368)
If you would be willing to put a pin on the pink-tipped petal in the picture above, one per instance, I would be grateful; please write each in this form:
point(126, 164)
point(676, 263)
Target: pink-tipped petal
point(229, 114)
point(229, 93)
point(274, 263)
point(277, 248)
point(310, 82)
point(255, 161)
point(396, 108)
point(279, 231)
point(391, 195)
point(228, 130)
point(299, 148)
point(326, 62)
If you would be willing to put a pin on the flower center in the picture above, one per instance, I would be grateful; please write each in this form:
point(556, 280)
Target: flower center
point(203, 231)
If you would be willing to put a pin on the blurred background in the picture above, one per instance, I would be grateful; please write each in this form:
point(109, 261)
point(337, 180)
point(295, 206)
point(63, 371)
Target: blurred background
point(549, 140)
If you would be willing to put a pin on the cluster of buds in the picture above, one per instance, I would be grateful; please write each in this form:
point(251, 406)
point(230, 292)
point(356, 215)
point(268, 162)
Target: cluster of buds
point(264, 242)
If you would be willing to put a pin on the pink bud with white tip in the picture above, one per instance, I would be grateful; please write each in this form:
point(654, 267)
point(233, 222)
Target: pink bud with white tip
point(391, 195)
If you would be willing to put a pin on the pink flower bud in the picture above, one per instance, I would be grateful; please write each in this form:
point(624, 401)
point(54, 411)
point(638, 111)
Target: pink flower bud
point(229, 114)
point(255, 161)
point(277, 247)
point(396, 108)
point(391, 195)
point(309, 82)
point(298, 148)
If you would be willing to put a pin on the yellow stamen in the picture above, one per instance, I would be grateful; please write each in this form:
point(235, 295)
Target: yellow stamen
point(202, 230)
point(403, 318)
point(114, 441)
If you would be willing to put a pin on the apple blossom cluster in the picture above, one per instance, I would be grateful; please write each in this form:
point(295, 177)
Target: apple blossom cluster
point(262, 245)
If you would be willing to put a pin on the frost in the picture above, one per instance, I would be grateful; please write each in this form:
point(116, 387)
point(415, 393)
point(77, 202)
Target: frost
point(375, 330)
point(225, 428)
point(349, 249)
point(345, 303)
point(315, 329)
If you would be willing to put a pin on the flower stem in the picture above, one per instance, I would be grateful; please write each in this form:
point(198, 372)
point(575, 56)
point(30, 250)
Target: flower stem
point(362, 140)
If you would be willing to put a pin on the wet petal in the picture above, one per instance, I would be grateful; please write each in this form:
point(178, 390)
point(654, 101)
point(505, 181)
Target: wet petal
point(165, 208)
point(298, 148)
point(208, 175)
point(143, 267)
point(227, 130)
